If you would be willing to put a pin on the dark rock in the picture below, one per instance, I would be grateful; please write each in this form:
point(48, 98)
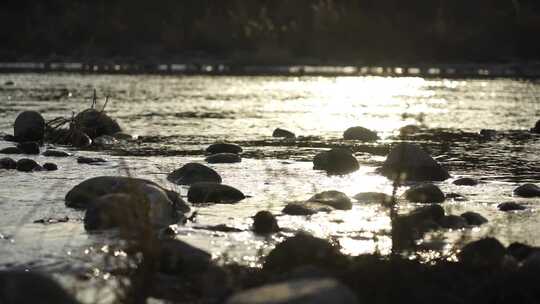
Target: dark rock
point(265, 222)
point(122, 136)
point(453, 222)
point(10, 138)
point(219, 228)
point(300, 250)
point(27, 165)
point(360, 133)
point(456, 197)
point(31, 287)
point(205, 192)
point(105, 140)
point(304, 291)
point(79, 139)
point(29, 126)
point(409, 130)
point(8, 163)
point(55, 153)
point(521, 251)
point(283, 133)
point(9, 83)
point(223, 158)
point(425, 193)
point(536, 128)
point(178, 257)
point(336, 161)
point(473, 218)
point(465, 181)
point(95, 123)
point(11, 150)
point(409, 227)
point(527, 190)
point(29, 147)
point(193, 173)
point(432, 212)
point(410, 163)
point(488, 133)
point(374, 198)
point(129, 210)
point(223, 148)
point(82, 195)
point(484, 252)
point(510, 206)
point(298, 209)
point(334, 199)
point(50, 167)
point(90, 160)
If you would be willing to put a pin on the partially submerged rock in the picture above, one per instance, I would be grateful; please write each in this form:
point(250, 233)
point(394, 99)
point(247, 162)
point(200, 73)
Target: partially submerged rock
point(29, 126)
point(536, 128)
point(465, 181)
point(8, 163)
point(205, 192)
point(90, 160)
point(50, 167)
point(304, 291)
point(191, 173)
point(27, 165)
point(374, 198)
point(95, 123)
point(425, 194)
point(453, 222)
point(178, 257)
point(336, 161)
point(473, 218)
point(409, 162)
point(29, 147)
point(11, 151)
point(55, 153)
point(264, 223)
point(332, 198)
point(82, 195)
point(31, 287)
point(223, 148)
point(527, 190)
point(278, 132)
point(510, 206)
point(223, 158)
point(360, 133)
point(484, 252)
point(305, 208)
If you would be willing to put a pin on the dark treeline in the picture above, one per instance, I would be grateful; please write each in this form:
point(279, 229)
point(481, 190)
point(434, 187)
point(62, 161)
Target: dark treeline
point(273, 31)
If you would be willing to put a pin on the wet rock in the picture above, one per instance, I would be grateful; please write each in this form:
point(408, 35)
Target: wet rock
point(374, 198)
point(473, 218)
point(122, 136)
point(336, 161)
point(130, 210)
point(484, 252)
point(178, 257)
point(80, 139)
point(409, 227)
point(300, 250)
point(90, 160)
point(456, 197)
point(8, 163)
point(205, 192)
point(223, 158)
point(510, 206)
point(10, 138)
point(55, 153)
point(50, 167)
point(409, 130)
point(9, 83)
point(283, 133)
point(265, 222)
point(191, 173)
point(521, 251)
point(105, 140)
point(334, 199)
point(31, 287)
point(410, 163)
point(27, 165)
point(96, 123)
point(82, 195)
point(536, 128)
point(298, 209)
point(488, 133)
point(360, 133)
point(465, 181)
point(223, 148)
point(425, 194)
point(527, 190)
point(29, 147)
point(305, 291)
point(29, 126)
point(11, 150)
point(219, 228)
point(453, 222)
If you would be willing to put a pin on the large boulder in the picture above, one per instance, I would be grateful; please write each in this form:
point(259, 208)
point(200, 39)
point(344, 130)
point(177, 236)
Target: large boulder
point(425, 193)
point(336, 161)
point(29, 126)
point(178, 257)
point(151, 206)
point(527, 190)
point(484, 252)
point(82, 195)
point(360, 133)
point(409, 162)
point(206, 192)
point(31, 287)
point(223, 148)
point(29, 147)
point(95, 123)
point(303, 291)
point(191, 173)
point(8, 163)
point(334, 199)
point(27, 165)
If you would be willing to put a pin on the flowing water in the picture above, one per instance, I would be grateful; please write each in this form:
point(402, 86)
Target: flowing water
point(177, 117)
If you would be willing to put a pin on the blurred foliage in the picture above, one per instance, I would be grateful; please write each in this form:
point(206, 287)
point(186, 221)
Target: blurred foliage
point(274, 31)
